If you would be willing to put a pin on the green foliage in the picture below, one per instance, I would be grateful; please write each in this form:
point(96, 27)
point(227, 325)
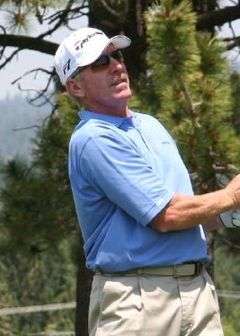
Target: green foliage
point(38, 193)
point(174, 61)
point(235, 85)
point(171, 37)
point(30, 3)
point(227, 270)
point(19, 14)
point(6, 299)
point(193, 94)
point(187, 86)
point(38, 229)
point(191, 83)
point(39, 277)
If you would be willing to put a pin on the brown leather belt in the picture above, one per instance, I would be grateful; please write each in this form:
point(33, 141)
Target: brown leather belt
point(182, 270)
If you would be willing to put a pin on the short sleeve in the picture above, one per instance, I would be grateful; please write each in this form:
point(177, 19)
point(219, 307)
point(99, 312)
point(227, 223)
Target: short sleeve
point(112, 164)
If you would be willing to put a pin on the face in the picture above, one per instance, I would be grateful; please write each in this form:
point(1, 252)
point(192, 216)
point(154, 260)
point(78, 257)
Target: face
point(105, 88)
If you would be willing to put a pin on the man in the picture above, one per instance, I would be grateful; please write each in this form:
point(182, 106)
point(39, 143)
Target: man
point(133, 196)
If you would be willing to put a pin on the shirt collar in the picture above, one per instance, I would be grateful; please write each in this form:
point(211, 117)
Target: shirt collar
point(117, 121)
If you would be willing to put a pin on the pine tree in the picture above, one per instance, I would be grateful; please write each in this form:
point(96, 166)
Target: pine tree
point(38, 240)
point(192, 84)
point(235, 83)
point(192, 95)
point(187, 87)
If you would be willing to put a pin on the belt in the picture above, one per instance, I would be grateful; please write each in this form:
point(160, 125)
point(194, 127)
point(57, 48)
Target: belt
point(182, 270)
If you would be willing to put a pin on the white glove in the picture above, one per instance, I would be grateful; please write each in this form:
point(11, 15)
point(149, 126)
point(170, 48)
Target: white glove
point(231, 218)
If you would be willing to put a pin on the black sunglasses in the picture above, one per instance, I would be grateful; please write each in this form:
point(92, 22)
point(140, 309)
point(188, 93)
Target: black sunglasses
point(102, 61)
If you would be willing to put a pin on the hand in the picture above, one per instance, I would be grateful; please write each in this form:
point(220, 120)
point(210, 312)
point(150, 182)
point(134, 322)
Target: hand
point(233, 190)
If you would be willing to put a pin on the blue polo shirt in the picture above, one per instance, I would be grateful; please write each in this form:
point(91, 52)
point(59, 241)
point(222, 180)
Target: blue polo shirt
point(123, 172)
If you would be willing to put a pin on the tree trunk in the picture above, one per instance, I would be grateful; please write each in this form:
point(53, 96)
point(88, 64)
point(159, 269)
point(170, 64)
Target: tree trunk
point(84, 280)
point(126, 20)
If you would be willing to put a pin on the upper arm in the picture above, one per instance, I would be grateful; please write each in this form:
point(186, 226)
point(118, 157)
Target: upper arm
point(114, 166)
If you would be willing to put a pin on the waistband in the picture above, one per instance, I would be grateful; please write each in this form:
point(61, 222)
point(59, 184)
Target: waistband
point(182, 270)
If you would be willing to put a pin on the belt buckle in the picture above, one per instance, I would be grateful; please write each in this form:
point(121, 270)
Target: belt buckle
point(178, 273)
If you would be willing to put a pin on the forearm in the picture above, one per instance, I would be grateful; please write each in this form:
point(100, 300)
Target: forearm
point(185, 212)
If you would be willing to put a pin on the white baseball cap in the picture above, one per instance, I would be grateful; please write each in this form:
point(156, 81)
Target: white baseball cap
point(83, 47)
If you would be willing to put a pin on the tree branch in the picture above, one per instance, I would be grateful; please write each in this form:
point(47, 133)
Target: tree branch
point(110, 9)
point(42, 94)
point(8, 59)
point(61, 19)
point(28, 42)
point(218, 17)
point(48, 72)
point(25, 128)
point(64, 19)
point(229, 242)
point(139, 17)
point(234, 44)
point(73, 11)
point(205, 21)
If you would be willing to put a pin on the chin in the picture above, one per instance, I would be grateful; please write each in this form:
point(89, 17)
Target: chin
point(124, 94)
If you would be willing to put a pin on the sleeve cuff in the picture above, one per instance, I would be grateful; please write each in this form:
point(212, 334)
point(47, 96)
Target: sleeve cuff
point(155, 210)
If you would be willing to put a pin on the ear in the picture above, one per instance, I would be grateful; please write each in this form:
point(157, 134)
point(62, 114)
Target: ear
point(75, 88)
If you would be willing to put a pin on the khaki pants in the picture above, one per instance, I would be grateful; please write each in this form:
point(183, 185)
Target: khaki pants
point(149, 305)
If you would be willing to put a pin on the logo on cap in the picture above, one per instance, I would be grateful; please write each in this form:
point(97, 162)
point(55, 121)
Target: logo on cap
point(77, 47)
point(66, 67)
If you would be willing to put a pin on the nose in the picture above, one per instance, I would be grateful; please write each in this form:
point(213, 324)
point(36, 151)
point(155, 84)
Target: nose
point(116, 65)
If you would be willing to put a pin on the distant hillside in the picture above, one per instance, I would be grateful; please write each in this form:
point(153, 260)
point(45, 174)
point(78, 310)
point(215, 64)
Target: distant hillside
point(16, 113)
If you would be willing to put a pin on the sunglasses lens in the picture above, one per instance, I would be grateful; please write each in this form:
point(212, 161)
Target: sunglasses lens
point(117, 55)
point(104, 60)
point(101, 61)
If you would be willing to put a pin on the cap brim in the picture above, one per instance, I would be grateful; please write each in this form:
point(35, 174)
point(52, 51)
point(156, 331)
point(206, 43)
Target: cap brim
point(120, 41)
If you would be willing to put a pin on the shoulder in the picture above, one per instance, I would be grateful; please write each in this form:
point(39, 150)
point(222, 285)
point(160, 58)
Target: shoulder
point(148, 118)
point(153, 127)
point(150, 121)
point(90, 130)
point(95, 135)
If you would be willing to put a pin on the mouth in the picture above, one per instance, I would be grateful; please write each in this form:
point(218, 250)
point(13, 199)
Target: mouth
point(118, 81)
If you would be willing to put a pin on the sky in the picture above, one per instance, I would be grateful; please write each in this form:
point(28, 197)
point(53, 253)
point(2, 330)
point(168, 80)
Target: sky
point(28, 60)
point(225, 31)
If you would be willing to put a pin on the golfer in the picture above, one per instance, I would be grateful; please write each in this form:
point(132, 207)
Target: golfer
point(143, 228)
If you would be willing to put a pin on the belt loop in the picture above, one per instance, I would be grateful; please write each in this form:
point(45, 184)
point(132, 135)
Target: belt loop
point(199, 268)
point(174, 271)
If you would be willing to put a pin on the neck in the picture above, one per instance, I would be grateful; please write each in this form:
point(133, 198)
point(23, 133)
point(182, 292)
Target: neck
point(118, 111)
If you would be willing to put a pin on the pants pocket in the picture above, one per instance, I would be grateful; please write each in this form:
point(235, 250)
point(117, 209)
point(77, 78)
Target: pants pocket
point(120, 306)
